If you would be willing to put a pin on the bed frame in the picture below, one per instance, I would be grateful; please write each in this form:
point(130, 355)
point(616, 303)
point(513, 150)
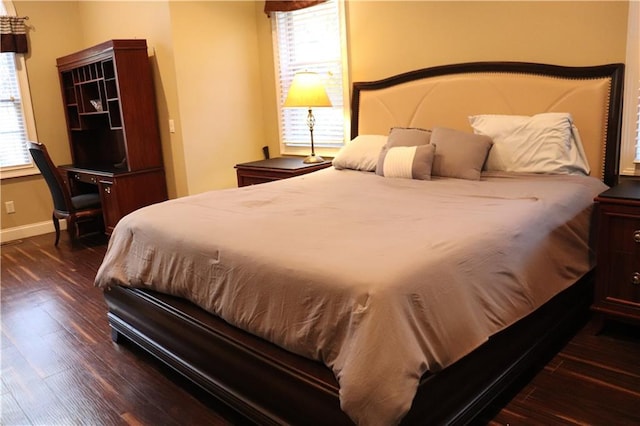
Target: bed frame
point(269, 385)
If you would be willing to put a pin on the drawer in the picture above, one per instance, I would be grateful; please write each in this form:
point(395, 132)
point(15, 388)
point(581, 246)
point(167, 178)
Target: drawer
point(625, 278)
point(110, 207)
point(84, 177)
point(254, 180)
point(625, 233)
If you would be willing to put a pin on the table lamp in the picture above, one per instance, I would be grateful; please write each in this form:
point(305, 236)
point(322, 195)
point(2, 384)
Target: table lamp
point(308, 91)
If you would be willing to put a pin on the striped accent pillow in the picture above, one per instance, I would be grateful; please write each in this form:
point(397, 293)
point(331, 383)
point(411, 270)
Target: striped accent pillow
point(409, 162)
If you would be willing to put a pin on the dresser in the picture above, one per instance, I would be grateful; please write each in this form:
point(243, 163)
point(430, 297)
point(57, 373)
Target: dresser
point(617, 292)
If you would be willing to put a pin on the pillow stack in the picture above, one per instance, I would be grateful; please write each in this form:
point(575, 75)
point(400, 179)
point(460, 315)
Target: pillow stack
point(441, 152)
point(407, 154)
point(543, 143)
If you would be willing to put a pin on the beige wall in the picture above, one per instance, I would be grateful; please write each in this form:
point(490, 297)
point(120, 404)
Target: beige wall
point(214, 70)
point(389, 37)
point(216, 57)
point(271, 137)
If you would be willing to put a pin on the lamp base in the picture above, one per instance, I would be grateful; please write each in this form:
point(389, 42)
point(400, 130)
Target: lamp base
point(312, 159)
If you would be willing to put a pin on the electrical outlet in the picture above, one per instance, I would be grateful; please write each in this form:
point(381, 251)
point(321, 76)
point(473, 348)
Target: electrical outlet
point(10, 207)
point(172, 126)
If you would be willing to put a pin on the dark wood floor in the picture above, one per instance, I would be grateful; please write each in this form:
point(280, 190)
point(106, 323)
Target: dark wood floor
point(59, 365)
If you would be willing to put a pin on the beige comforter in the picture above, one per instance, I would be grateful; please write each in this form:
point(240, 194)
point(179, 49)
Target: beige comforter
point(381, 279)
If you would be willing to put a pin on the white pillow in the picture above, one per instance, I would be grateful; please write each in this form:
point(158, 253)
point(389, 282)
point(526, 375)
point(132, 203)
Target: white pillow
point(361, 153)
point(543, 143)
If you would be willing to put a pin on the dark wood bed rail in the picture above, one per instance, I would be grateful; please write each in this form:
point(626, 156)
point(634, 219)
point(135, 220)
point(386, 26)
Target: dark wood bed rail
point(268, 385)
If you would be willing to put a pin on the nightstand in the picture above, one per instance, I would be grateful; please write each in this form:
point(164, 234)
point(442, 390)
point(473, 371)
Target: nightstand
point(617, 292)
point(272, 169)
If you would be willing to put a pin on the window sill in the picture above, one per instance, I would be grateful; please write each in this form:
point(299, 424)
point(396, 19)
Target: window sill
point(306, 150)
point(631, 171)
point(16, 172)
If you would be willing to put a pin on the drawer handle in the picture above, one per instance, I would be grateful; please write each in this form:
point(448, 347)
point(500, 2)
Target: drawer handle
point(636, 235)
point(77, 177)
point(107, 189)
point(635, 279)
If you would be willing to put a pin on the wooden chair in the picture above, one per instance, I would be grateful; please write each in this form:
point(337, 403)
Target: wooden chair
point(76, 209)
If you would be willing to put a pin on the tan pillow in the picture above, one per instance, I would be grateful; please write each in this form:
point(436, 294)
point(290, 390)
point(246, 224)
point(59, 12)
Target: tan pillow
point(459, 154)
point(409, 162)
point(407, 136)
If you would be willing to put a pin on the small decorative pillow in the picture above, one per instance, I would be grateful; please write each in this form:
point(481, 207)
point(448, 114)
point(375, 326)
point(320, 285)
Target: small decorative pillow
point(361, 153)
point(459, 154)
point(543, 143)
point(410, 162)
point(408, 136)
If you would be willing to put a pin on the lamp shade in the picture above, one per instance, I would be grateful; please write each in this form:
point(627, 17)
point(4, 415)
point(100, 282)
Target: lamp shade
point(307, 90)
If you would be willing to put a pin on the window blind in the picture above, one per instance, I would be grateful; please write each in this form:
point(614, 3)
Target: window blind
point(13, 135)
point(309, 40)
point(630, 145)
point(13, 132)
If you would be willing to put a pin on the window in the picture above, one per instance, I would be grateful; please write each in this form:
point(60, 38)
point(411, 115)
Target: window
point(12, 129)
point(312, 39)
point(630, 150)
point(16, 116)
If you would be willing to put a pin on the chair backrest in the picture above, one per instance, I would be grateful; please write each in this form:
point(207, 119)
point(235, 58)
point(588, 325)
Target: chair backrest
point(59, 192)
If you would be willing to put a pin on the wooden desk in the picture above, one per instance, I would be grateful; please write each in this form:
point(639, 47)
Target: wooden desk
point(121, 192)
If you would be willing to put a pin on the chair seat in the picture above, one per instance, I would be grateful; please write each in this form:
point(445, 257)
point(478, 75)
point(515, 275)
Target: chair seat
point(85, 201)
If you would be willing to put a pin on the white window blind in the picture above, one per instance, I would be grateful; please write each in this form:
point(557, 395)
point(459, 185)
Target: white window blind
point(310, 40)
point(630, 147)
point(13, 149)
point(16, 114)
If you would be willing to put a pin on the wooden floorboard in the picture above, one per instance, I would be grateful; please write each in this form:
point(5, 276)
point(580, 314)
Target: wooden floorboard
point(59, 365)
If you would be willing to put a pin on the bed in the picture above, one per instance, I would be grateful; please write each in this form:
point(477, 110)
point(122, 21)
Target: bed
point(337, 326)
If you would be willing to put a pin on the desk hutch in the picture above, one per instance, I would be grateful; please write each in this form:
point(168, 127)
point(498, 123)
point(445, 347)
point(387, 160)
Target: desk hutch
point(112, 125)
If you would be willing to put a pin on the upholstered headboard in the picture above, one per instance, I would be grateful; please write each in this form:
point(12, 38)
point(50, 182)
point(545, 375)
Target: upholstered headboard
point(445, 96)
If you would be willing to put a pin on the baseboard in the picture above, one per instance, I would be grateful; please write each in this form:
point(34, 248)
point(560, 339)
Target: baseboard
point(31, 230)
